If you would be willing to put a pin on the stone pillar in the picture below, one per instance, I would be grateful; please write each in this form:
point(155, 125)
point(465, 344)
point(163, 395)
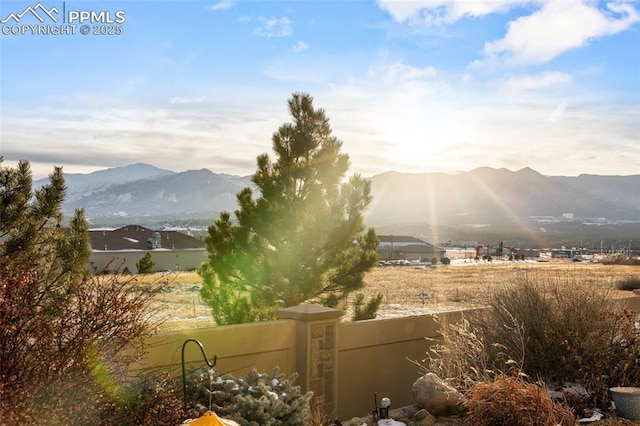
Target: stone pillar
point(317, 352)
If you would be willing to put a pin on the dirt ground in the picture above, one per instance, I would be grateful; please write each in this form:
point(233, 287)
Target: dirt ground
point(419, 290)
point(408, 290)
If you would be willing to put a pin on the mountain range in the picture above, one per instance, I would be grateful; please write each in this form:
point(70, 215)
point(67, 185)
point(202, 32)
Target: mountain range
point(487, 195)
point(141, 192)
point(402, 202)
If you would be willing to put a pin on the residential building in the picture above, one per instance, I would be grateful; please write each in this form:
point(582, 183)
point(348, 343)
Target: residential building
point(398, 247)
point(116, 249)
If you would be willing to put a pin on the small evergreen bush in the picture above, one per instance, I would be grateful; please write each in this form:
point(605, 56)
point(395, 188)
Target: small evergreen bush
point(366, 311)
point(256, 400)
point(146, 264)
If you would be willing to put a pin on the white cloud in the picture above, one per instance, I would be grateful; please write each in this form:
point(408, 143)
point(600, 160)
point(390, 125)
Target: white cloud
point(408, 121)
point(466, 78)
point(439, 12)
point(543, 80)
point(274, 27)
point(555, 26)
point(300, 46)
point(437, 134)
point(558, 112)
point(222, 5)
point(192, 136)
point(185, 100)
point(357, 74)
point(560, 25)
point(401, 72)
point(413, 119)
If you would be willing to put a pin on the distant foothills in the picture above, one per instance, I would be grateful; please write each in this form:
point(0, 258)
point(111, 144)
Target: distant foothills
point(523, 207)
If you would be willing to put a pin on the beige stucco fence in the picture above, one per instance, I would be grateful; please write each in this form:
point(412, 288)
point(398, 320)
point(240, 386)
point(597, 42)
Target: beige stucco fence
point(344, 364)
point(172, 260)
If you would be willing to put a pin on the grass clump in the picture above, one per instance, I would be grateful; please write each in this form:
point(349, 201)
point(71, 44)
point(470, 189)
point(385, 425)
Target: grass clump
point(514, 402)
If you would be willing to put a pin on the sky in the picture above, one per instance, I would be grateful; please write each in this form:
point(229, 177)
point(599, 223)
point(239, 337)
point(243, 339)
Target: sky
point(411, 86)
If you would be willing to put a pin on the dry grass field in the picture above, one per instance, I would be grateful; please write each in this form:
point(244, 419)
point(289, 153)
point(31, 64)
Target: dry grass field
point(407, 290)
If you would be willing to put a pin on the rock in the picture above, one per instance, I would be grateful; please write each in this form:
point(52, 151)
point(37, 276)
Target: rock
point(404, 413)
point(423, 418)
point(434, 395)
point(447, 421)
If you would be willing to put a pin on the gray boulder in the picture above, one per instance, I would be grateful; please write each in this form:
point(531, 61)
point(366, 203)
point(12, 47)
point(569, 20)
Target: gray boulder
point(422, 418)
point(434, 395)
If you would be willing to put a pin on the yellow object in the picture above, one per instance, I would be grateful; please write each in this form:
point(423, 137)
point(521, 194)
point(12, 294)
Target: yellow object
point(209, 419)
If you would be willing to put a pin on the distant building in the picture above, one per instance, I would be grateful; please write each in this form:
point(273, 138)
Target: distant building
point(565, 253)
point(397, 247)
point(468, 244)
point(482, 250)
point(117, 249)
point(528, 253)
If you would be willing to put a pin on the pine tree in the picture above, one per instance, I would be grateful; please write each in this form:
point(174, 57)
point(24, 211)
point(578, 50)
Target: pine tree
point(146, 264)
point(303, 238)
point(362, 311)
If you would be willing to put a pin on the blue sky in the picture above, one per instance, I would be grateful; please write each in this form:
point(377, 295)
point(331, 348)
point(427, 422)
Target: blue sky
point(412, 86)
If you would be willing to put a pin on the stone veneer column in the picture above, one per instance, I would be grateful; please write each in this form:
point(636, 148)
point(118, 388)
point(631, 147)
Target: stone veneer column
point(317, 352)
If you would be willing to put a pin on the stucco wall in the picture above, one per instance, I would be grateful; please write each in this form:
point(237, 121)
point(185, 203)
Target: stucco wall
point(238, 348)
point(173, 260)
point(372, 357)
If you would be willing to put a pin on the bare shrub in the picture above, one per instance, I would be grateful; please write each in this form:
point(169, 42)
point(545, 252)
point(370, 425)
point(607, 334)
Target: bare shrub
point(573, 331)
point(620, 260)
point(317, 416)
point(464, 357)
point(557, 327)
point(514, 402)
point(149, 401)
point(629, 283)
point(62, 331)
point(560, 315)
point(60, 359)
